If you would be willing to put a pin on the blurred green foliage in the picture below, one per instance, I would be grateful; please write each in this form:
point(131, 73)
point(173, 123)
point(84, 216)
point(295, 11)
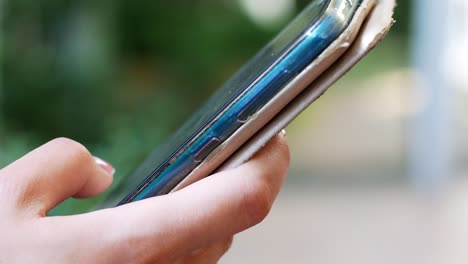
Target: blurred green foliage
point(118, 76)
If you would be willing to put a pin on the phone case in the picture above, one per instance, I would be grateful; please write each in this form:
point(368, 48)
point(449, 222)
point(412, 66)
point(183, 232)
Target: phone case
point(370, 25)
point(292, 90)
point(375, 28)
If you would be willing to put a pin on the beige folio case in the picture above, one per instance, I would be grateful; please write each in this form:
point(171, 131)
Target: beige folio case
point(369, 26)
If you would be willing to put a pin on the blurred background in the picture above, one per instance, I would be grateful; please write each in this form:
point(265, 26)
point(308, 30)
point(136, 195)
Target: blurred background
point(379, 164)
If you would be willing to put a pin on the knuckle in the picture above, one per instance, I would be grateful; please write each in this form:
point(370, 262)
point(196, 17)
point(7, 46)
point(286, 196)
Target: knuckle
point(258, 202)
point(227, 244)
point(74, 151)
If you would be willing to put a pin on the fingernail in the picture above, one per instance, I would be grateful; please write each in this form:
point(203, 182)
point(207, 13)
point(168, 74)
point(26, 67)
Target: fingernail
point(105, 165)
point(283, 133)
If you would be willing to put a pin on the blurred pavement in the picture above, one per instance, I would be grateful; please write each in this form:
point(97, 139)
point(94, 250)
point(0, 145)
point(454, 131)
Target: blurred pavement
point(361, 226)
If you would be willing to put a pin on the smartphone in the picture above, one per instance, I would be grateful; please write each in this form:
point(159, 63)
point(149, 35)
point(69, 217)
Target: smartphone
point(247, 101)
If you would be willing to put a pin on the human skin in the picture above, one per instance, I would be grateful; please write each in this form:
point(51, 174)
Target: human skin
point(193, 225)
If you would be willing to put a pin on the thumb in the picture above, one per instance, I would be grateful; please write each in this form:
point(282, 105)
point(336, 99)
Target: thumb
point(52, 173)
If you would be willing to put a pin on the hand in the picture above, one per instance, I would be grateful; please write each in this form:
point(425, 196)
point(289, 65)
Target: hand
point(194, 225)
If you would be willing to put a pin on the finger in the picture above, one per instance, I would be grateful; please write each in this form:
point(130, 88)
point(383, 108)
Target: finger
point(207, 211)
point(211, 254)
point(52, 173)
